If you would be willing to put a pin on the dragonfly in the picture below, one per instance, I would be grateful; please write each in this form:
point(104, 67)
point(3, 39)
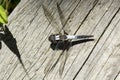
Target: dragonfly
point(61, 38)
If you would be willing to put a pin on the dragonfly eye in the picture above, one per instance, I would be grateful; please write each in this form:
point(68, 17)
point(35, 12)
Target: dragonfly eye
point(52, 38)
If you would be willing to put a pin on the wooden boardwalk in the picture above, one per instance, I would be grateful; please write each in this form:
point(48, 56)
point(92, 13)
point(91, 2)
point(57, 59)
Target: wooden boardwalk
point(93, 60)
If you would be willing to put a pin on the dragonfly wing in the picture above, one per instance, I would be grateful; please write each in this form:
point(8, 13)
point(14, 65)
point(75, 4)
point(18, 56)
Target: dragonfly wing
point(65, 26)
point(63, 61)
point(51, 19)
point(64, 57)
point(52, 62)
point(49, 64)
point(61, 15)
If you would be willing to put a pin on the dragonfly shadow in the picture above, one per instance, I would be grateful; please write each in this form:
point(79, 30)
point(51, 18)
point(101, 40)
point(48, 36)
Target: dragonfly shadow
point(1, 40)
point(66, 45)
point(0, 45)
point(11, 43)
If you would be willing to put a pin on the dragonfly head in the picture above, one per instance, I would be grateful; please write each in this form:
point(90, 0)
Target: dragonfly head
point(52, 38)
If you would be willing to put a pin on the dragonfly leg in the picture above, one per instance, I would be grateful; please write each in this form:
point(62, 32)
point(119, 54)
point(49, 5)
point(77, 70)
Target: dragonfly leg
point(65, 32)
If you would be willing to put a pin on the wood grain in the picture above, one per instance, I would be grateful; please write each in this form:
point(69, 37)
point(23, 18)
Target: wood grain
point(93, 60)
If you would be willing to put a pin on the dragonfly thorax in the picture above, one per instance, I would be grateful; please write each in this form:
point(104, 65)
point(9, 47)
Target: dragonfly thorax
point(56, 37)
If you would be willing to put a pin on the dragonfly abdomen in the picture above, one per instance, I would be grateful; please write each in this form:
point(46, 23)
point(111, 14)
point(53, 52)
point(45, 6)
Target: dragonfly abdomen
point(78, 37)
point(70, 37)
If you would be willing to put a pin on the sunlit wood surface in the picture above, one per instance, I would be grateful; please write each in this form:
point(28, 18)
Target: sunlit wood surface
point(93, 60)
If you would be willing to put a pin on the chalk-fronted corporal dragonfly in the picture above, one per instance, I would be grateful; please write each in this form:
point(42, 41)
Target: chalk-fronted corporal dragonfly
point(61, 38)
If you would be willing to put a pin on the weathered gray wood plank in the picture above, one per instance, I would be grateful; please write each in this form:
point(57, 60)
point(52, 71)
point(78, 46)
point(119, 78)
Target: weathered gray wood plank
point(98, 29)
point(104, 61)
point(95, 60)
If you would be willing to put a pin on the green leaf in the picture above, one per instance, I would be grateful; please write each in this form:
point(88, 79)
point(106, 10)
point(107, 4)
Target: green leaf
point(3, 16)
